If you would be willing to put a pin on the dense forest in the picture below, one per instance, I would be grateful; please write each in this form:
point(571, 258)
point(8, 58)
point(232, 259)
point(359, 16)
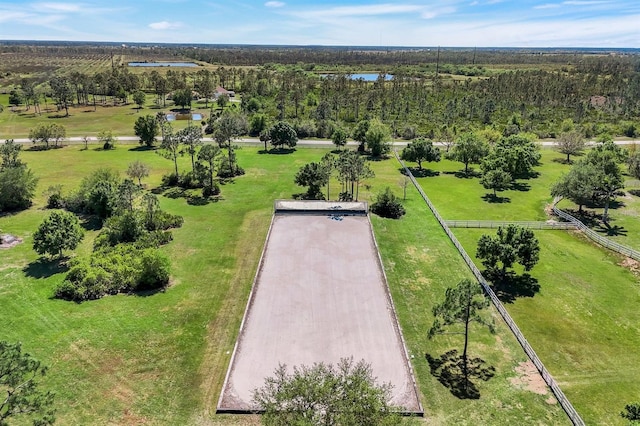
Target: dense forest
point(436, 93)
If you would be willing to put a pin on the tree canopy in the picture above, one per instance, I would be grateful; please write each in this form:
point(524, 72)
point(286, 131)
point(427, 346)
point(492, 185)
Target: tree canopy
point(314, 176)
point(19, 387)
point(60, 231)
point(571, 143)
point(469, 148)
point(323, 394)
point(146, 128)
point(511, 244)
point(461, 306)
point(420, 150)
point(282, 134)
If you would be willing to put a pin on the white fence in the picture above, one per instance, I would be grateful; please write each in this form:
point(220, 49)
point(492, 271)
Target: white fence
point(562, 399)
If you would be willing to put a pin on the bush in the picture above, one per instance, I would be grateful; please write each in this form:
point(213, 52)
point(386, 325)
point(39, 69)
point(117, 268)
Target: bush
point(209, 191)
point(388, 205)
point(55, 200)
point(189, 180)
point(17, 188)
point(155, 270)
point(171, 179)
point(122, 269)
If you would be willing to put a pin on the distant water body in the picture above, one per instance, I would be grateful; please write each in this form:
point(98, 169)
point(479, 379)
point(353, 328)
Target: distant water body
point(365, 77)
point(162, 64)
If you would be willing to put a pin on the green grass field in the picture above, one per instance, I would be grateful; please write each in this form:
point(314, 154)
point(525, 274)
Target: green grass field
point(161, 359)
point(86, 121)
point(583, 323)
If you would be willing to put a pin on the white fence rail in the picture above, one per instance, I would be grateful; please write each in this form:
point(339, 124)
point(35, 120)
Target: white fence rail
point(562, 399)
point(492, 224)
point(594, 236)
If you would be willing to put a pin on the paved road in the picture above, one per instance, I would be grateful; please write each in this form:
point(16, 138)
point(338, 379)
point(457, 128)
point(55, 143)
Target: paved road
point(301, 142)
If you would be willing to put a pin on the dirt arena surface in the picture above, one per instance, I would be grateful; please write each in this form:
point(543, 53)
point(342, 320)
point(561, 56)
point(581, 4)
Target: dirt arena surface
point(320, 295)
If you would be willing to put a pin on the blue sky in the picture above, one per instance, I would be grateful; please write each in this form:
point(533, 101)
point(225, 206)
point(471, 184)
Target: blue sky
point(482, 23)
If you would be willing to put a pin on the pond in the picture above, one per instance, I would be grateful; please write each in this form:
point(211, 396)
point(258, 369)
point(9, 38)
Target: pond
point(162, 64)
point(196, 116)
point(363, 76)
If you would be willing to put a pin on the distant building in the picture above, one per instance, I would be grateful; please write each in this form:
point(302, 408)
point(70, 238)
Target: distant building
point(222, 91)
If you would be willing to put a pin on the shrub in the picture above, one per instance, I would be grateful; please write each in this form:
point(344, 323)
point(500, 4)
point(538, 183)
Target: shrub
point(121, 269)
point(171, 179)
point(209, 191)
point(155, 270)
point(388, 205)
point(55, 200)
point(17, 188)
point(189, 180)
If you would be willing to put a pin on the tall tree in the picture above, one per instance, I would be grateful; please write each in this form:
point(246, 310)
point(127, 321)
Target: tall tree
point(191, 139)
point(519, 153)
point(469, 148)
point(208, 154)
point(9, 154)
point(339, 137)
point(605, 158)
point(139, 98)
point(138, 170)
point(226, 128)
point(511, 244)
point(571, 143)
point(182, 97)
point(170, 146)
point(19, 372)
point(461, 305)
point(282, 134)
point(352, 169)
point(60, 231)
point(578, 185)
point(62, 92)
point(377, 138)
point(420, 150)
point(497, 180)
point(146, 128)
point(47, 132)
point(314, 176)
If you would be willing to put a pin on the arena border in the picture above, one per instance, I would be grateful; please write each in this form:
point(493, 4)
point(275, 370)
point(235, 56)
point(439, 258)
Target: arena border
point(319, 208)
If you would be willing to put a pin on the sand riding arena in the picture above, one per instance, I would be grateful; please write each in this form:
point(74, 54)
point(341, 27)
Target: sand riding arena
point(320, 294)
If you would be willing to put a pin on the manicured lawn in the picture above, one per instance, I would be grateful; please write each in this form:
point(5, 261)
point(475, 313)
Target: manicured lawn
point(583, 323)
point(161, 359)
point(462, 198)
point(85, 121)
point(421, 263)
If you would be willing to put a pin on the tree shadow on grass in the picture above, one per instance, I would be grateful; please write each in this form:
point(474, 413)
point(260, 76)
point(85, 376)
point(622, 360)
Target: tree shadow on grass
point(512, 286)
point(610, 231)
point(420, 173)
point(191, 198)
point(149, 292)
point(469, 174)
point(495, 199)
point(448, 368)
point(520, 186)
point(278, 151)
point(142, 148)
point(90, 222)
point(44, 267)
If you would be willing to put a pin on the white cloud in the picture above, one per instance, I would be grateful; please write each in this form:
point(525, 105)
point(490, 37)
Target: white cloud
point(58, 7)
point(165, 25)
point(585, 2)
point(274, 4)
point(547, 6)
point(369, 12)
